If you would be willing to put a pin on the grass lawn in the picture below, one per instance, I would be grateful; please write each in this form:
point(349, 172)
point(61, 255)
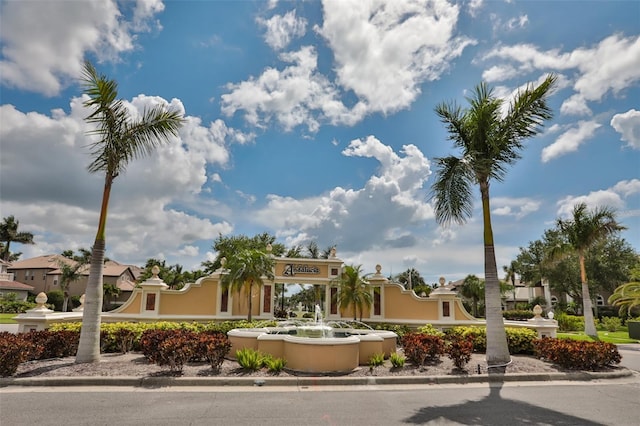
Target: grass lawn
point(6, 318)
point(616, 337)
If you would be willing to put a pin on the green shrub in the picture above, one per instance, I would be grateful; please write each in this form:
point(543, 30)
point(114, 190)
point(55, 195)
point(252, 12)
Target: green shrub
point(10, 305)
point(518, 314)
point(274, 365)
point(419, 347)
point(577, 354)
point(250, 359)
point(399, 329)
point(459, 350)
point(611, 323)
point(397, 360)
point(55, 298)
point(520, 340)
point(478, 336)
point(376, 360)
point(568, 322)
point(431, 330)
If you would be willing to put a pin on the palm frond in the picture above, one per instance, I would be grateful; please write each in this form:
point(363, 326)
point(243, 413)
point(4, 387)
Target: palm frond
point(451, 190)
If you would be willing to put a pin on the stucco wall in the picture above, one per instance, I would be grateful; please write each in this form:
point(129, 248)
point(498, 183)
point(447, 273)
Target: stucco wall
point(404, 304)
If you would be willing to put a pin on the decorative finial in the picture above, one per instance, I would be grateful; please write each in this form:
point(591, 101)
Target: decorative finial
point(378, 269)
point(442, 281)
point(269, 248)
point(41, 299)
point(223, 261)
point(155, 271)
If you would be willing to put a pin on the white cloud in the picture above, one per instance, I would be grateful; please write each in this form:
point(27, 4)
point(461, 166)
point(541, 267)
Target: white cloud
point(516, 207)
point(608, 67)
point(475, 6)
point(384, 50)
point(383, 211)
point(570, 140)
point(281, 29)
point(143, 200)
point(627, 188)
point(613, 197)
point(628, 125)
point(291, 96)
point(499, 73)
point(42, 57)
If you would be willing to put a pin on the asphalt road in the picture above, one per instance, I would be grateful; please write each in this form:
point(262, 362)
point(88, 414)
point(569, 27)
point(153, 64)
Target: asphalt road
point(606, 402)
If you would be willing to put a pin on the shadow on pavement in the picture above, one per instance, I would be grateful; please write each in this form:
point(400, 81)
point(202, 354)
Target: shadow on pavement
point(495, 410)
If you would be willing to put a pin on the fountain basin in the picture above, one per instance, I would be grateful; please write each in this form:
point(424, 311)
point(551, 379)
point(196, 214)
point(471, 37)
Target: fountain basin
point(315, 355)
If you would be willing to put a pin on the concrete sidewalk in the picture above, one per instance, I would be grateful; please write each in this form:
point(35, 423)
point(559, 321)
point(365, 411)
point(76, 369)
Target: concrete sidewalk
point(306, 381)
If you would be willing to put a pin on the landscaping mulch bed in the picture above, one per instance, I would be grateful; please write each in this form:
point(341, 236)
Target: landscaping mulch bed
point(136, 365)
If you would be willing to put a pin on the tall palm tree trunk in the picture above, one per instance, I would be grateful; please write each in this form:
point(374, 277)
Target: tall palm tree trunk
point(89, 344)
point(497, 347)
point(250, 315)
point(589, 323)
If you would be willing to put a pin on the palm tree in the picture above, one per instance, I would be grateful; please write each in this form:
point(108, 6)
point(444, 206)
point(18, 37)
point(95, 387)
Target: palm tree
point(510, 277)
point(70, 271)
point(410, 279)
point(473, 289)
point(354, 291)
point(627, 297)
point(582, 232)
point(489, 140)
point(247, 268)
point(120, 138)
point(9, 234)
point(110, 291)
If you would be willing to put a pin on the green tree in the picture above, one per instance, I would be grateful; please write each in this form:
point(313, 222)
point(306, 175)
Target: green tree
point(9, 234)
point(581, 233)
point(489, 140)
point(120, 138)
point(227, 247)
point(510, 277)
point(110, 291)
point(245, 269)
point(410, 279)
point(354, 290)
point(473, 289)
point(71, 271)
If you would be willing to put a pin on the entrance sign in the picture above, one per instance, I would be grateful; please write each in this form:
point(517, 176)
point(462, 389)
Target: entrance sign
point(291, 269)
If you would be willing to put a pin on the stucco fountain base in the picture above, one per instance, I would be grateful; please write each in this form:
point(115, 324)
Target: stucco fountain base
point(316, 354)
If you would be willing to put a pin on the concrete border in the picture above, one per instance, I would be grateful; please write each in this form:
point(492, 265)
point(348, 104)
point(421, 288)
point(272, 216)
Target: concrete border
point(161, 382)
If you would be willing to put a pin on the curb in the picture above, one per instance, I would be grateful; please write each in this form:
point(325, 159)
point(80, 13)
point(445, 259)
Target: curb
point(161, 382)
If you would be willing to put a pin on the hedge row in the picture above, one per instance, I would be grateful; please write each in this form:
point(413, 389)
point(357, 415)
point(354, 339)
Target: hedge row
point(35, 345)
point(576, 354)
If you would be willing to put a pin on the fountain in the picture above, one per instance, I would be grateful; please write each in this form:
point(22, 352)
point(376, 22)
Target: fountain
point(317, 347)
point(317, 329)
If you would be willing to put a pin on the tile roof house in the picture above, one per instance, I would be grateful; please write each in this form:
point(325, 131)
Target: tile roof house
point(43, 274)
point(8, 285)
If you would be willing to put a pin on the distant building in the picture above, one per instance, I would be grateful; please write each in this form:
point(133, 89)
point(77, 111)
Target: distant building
point(8, 285)
point(43, 274)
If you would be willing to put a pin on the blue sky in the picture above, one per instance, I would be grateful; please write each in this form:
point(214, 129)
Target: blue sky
point(314, 121)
